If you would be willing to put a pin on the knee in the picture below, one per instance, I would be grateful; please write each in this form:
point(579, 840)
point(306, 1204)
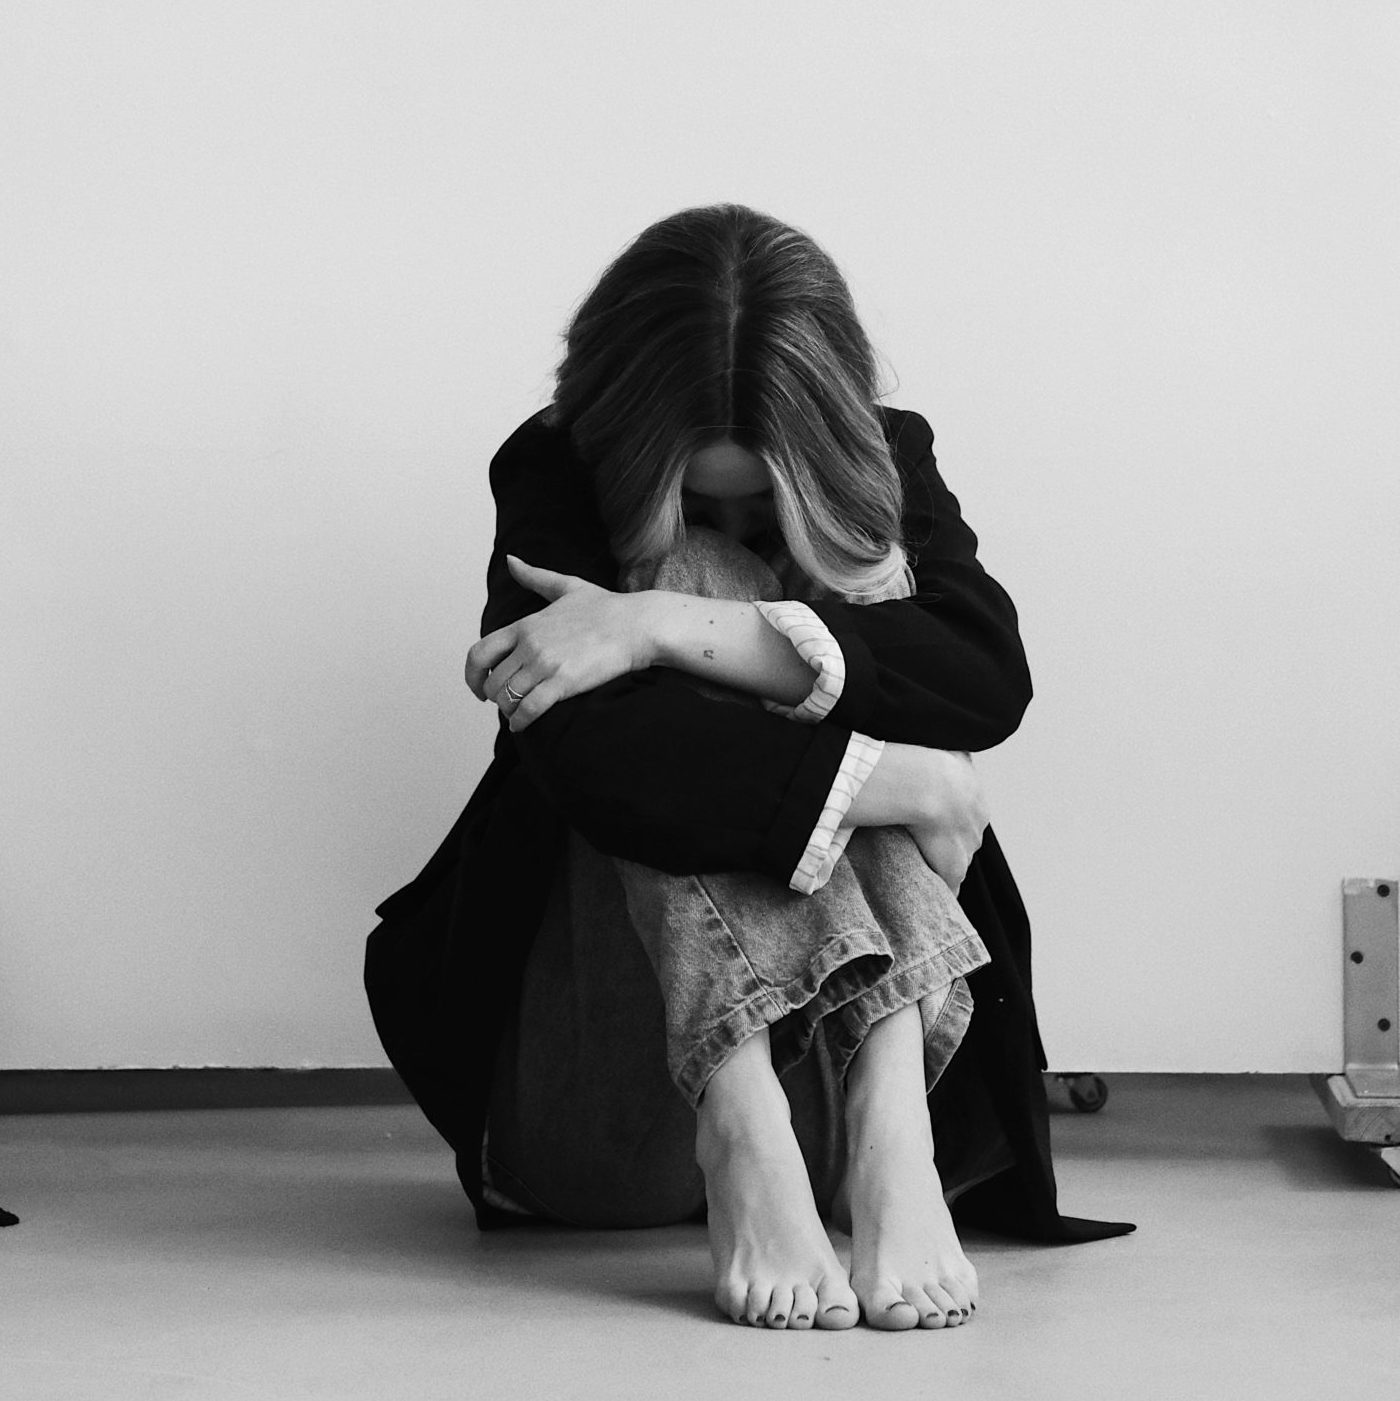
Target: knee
point(711, 565)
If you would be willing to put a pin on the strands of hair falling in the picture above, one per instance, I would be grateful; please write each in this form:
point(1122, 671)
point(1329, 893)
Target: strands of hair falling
point(725, 323)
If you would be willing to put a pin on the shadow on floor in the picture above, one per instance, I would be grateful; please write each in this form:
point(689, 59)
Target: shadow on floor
point(1317, 1160)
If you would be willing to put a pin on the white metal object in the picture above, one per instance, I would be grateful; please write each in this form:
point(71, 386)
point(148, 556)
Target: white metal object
point(1371, 987)
point(1364, 1102)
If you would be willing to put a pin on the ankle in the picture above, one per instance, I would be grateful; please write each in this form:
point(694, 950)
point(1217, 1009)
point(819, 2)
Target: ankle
point(750, 1113)
point(745, 1086)
point(879, 1125)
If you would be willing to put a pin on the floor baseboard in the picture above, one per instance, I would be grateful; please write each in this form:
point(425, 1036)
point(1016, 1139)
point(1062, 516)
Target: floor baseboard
point(109, 1091)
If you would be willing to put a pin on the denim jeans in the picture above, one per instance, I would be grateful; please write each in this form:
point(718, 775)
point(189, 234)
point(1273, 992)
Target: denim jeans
point(640, 984)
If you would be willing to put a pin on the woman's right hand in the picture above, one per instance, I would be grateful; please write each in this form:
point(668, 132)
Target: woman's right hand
point(936, 794)
point(585, 637)
point(949, 835)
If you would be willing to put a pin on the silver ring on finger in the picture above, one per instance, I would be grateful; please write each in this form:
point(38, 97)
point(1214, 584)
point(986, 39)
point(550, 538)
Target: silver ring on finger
point(513, 694)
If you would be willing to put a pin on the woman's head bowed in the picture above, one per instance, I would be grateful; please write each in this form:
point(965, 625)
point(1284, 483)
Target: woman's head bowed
point(722, 324)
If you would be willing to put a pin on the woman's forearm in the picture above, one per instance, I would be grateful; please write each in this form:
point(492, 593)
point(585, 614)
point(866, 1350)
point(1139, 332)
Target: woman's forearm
point(900, 790)
point(730, 643)
point(936, 796)
point(911, 786)
point(727, 642)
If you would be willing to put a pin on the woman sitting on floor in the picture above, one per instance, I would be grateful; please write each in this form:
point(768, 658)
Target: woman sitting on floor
point(721, 929)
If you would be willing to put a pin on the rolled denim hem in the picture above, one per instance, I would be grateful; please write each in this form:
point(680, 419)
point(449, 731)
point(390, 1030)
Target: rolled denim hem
point(938, 984)
point(840, 971)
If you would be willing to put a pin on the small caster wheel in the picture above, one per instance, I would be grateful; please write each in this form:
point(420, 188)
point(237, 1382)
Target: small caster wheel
point(1391, 1158)
point(1087, 1093)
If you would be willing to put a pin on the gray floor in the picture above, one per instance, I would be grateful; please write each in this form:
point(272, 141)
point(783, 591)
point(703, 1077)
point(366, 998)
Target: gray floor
point(328, 1253)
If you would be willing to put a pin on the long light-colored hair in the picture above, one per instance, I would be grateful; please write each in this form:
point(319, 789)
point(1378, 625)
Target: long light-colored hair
point(722, 322)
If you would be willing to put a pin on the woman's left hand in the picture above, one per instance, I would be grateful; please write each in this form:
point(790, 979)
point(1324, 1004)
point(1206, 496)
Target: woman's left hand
point(585, 638)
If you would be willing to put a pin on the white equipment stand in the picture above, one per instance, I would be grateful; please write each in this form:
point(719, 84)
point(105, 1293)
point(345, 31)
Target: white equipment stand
point(1364, 1102)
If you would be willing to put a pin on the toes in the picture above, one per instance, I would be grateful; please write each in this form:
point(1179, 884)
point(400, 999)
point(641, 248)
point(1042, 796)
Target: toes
point(887, 1309)
point(961, 1287)
point(804, 1307)
point(930, 1314)
point(837, 1306)
point(756, 1304)
point(731, 1298)
point(952, 1311)
point(779, 1312)
point(799, 1307)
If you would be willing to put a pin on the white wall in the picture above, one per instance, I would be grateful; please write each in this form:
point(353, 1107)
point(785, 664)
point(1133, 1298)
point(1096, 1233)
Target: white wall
point(279, 276)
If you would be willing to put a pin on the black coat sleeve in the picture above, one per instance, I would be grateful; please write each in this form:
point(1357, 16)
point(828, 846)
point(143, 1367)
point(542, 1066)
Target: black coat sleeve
point(649, 769)
point(944, 668)
point(645, 767)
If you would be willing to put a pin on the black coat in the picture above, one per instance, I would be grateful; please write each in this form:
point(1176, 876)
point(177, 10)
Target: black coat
point(647, 768)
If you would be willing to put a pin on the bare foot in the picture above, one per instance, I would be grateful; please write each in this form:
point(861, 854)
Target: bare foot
point(907, 1265)
point(774, 1263)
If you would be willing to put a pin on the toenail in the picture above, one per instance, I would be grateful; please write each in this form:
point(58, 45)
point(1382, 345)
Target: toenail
point(800, 1318)
point(780, 1318)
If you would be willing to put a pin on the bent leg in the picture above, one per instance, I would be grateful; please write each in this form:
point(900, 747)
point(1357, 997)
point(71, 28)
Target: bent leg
point(736, 956)
point(585, 1126)
point(736, 952)
point(748, 974)
point(932, 948)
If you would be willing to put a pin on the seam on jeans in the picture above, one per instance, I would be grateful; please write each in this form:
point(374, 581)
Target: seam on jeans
point(890, 995)
point(854, 955)
point(823, 962)
point(952, 961)
point(956, 1008)
point(966, 956)
point(717, 1031)
point(724, 924)
point(888, 998)
point(833, 987)
point(685, 1073)
point(911, 974)
point(943, 1013)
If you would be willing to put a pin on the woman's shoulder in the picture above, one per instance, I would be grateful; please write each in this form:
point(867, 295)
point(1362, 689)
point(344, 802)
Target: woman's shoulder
point(926, 498)
point(538, 432)
point(539, 451)
point(908, 433)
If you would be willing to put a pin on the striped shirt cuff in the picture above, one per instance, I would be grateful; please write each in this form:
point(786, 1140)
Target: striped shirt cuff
point(829, 837)
point(818, 648)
